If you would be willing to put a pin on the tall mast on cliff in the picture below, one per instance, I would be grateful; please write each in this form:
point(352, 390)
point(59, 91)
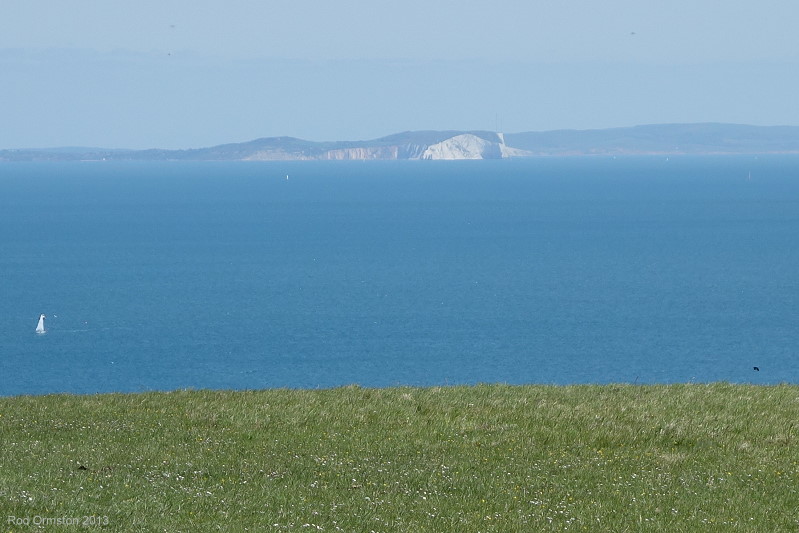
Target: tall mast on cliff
point(500, 135)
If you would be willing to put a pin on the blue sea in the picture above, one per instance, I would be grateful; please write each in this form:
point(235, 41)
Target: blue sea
point(172, 275)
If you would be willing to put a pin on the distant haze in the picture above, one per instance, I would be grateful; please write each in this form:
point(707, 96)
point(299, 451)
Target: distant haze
point(178, 74)
point(662, 139)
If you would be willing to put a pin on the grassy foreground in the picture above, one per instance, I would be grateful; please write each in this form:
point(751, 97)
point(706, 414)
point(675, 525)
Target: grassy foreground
point(499, 458)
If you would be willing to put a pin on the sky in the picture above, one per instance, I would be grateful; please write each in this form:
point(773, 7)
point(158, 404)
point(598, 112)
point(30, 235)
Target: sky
point(189, 74)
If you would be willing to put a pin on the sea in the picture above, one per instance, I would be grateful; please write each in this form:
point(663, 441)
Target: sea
point(256, 275)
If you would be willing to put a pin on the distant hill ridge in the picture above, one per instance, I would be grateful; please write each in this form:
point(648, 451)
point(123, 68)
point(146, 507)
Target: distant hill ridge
point(703, 138)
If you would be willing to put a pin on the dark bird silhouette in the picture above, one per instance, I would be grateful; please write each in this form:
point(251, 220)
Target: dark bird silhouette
point(757, 369)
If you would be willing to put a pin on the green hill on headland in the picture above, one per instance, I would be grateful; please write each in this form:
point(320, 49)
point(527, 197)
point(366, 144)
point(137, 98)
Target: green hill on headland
point(499, 458)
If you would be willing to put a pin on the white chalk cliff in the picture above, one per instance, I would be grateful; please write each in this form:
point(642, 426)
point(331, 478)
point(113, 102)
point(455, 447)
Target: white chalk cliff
point(468, 146)
point(465, 146)
point(461, 146)
point(407, 151)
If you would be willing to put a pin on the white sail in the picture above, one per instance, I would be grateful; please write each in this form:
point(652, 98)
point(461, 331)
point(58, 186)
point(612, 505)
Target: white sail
point(40, 325)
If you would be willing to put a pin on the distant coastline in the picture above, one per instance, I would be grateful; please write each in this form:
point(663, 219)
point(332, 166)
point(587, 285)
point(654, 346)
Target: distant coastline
point(656, 139)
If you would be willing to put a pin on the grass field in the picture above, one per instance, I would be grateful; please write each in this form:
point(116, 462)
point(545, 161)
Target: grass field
point(499, 458)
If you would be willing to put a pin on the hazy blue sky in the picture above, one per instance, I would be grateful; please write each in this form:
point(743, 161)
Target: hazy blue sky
point(178, 74)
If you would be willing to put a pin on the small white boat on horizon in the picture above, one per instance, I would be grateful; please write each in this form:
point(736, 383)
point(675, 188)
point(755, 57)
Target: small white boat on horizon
point(40, 325)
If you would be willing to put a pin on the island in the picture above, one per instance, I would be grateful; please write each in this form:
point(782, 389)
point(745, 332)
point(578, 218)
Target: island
point(656, 139)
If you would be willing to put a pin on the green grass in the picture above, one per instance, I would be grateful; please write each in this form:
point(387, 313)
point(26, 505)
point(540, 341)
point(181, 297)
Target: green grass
point(499, 458)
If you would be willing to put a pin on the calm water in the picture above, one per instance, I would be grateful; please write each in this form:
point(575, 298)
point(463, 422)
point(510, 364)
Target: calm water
point(222, 275)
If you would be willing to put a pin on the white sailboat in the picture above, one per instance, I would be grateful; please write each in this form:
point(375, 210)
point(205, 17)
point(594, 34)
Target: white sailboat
point(40, 325)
